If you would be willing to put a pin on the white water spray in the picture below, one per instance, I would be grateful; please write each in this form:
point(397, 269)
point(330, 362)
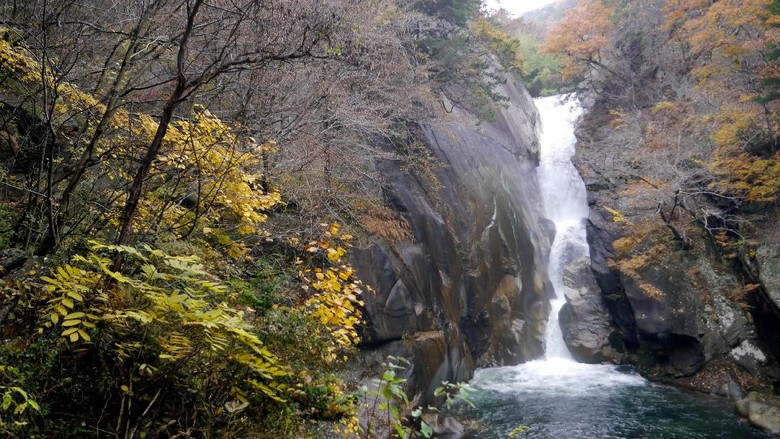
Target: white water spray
point(565, 203)
point(556, 396)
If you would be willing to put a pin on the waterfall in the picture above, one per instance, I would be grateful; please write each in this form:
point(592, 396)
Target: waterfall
point(565, 204)
point(556, 396)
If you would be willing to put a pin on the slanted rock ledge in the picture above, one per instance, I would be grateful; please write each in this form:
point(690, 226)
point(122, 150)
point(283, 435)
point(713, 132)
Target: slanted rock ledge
point(473, 268)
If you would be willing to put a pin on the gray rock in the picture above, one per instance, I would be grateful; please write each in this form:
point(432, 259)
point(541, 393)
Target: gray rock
point(769, 268)
point(585, 323)
point(749, 356)
point(11, 258)
point(444, 427)
point(600, 237)
point(677, 314)
point(763, 411)
point(734, 390)
point(471, 263)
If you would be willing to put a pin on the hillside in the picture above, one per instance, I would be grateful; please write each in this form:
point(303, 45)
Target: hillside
point(300, 218)
point(190, 191)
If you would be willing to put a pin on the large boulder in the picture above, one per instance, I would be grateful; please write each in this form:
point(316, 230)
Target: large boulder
point(601, 235)
point(585, 321)
point(444, 427)
point(763, 411)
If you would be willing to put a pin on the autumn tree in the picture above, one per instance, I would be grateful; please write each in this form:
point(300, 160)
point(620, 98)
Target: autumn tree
point(172, 346)
point(581, 37)
point(730, 45)
point(159, 56)
point(466, 55)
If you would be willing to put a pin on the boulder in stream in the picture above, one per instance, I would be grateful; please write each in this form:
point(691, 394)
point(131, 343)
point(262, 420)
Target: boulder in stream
point(585, 321)
point(763, 411)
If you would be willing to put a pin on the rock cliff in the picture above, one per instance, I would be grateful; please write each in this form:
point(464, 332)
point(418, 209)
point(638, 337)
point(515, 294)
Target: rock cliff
point(468, 286)
point(686, 314)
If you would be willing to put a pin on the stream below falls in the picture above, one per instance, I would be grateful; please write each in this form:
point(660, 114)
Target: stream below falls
point(558, 398)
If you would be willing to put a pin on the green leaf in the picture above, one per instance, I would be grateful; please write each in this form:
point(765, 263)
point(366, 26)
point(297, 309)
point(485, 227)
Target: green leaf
point(20, 408)
point(426, 430)
point(394, 412)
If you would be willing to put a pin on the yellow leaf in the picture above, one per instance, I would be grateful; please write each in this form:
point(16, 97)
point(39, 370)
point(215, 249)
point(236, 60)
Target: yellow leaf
point(76, 296)
point(74, 337)
point(67, 302)
point(55, 318)
point(67, 323)
point(84, 335)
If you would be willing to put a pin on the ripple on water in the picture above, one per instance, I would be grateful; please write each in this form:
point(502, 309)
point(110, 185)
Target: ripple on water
point(562, 399)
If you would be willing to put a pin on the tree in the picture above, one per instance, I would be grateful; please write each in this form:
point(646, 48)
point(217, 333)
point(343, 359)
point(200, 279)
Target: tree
point(731, 45)
point(158, 68)
point(457, 12)
point(581, 37)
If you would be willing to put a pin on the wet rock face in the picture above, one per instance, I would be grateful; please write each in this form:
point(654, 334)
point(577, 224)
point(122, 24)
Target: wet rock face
point(474, 270)
point(764, 270)
point(600, 238)
point(769, 267)
point(675, 315)
point(585, 321)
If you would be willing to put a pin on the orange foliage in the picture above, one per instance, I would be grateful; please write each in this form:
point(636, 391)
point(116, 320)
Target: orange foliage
point(730, 43)
point(581, 36)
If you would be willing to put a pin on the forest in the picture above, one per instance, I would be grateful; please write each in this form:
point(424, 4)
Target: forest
point(183, 183)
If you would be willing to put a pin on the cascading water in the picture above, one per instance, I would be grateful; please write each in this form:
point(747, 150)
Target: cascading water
point(565, 203)
point(556, 396)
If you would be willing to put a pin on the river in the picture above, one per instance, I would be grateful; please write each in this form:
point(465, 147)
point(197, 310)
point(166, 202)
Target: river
point(558, 398)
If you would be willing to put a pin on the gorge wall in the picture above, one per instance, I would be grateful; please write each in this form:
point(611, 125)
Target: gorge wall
point(466, 287)
point(690, 314)
point(683, 274)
